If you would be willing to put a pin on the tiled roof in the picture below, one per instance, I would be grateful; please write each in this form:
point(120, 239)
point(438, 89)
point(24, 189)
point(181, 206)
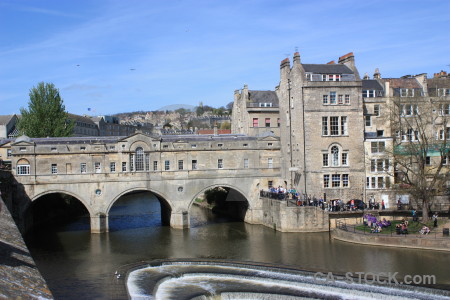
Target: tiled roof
point(405, 83)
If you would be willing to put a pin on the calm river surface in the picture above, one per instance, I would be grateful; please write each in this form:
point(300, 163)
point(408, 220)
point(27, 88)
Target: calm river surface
point(77, 264)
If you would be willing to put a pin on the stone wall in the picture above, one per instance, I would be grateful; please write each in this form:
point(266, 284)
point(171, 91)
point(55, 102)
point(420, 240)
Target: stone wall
point(419, 242)
point(19, 276)
point(279, 216)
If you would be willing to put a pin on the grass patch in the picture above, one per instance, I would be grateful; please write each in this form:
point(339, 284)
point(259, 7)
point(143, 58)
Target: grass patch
point(413, 227)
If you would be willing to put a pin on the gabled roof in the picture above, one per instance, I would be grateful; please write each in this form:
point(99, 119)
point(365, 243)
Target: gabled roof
point(81, 119)
point(327, 69)
point(371, 84)
point(5, 119)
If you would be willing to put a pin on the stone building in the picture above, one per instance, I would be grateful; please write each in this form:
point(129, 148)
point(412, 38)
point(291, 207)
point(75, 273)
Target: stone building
point(7, 126)
point(336, 129)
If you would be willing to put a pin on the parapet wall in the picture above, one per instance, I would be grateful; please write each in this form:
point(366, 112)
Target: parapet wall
point(279, 216)
point(427, 243)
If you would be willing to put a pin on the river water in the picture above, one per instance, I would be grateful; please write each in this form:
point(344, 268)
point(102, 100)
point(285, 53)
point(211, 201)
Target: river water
point(77, 264)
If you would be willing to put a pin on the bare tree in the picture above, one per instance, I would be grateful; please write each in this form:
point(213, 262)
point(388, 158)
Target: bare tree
point(420, 149)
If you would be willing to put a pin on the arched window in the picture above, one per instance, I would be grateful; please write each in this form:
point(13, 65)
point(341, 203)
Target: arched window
point(23, 167)
point(334, 156)
point(139, 163)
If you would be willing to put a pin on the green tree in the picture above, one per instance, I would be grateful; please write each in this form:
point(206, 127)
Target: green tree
point(46, 115)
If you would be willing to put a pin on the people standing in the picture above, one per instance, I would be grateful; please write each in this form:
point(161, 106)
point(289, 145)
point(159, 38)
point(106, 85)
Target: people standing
point(435, 220)
point(382, 205)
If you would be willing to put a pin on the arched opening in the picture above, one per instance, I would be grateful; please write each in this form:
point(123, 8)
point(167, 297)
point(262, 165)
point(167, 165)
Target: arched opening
point(138, 209)
point(218, 204)
point(57, 211)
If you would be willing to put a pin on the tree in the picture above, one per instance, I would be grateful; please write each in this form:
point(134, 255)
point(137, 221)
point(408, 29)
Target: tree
point(420, 149)
point(46, 115)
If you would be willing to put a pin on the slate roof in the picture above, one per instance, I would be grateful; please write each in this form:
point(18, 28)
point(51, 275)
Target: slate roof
point(264, 97)
point(404, 83)
point(81, 119)
point(5, 119)
point(327, 69)
point(437, 83)
point(371, 84)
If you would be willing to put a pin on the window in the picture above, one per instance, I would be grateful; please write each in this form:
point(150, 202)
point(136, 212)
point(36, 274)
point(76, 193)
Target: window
point(270, 184)
point(270, 163)
point(326, 181)
point(245, 163)
point(334, 156)
point(335, 180)
point(347, 99)
point(379, 182)
point(270, 144)
point(340, 99)
point(344, 130)
point(220, 163)
point(345, 180)
point(324, 125)
point(23, 169)
point(409, 109)
point(428, 160)
point(194, 164)
point(219, 145)
point(22, 149)
point(278, 122)
point(193, 146)
point(97, 167)
point(334, 125)
point(379, 165)
point(406, 92)
point(377, 147)
point(325, 99)
point(83, 168)
point(267, 122)
point(139, 159)
point(368, 120)
point(180, 165)
point(53, 149)
point(442, 133)
point(124, 166)
point(444, 109)
point(325, 159)
point(8, 153)
point(155, 165)
point(82, 148)
point(410, 135)
point(331, 77)
point(112, 167)
point(255, 122)
point(54, 169)
point(344, 159)
point(245, 145)
point(165, 146)
point(369, 93)
point(167, 165)
point(332, 97)
point(376, 110)
point(112, 147)
point(147, 162)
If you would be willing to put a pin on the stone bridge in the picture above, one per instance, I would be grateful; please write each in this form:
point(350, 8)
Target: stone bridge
point(176, 169)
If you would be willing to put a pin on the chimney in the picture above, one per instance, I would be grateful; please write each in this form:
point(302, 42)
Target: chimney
point(331, 62)
point(366, 76)
point(296, 58)
point(215, 129)
point(285, 63)
point(349, 57)
point(377, 74)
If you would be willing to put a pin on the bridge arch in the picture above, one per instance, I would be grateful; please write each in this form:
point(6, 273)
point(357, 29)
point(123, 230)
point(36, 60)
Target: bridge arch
point(212, 186)
point(74, 195)
point(236, 205)
point(158, 194)
point(55, 210)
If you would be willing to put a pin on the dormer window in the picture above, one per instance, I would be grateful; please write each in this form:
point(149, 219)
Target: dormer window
point(331, 77)
point(265, 105)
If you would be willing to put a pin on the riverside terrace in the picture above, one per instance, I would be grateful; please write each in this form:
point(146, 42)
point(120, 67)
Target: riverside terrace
point(98, 171)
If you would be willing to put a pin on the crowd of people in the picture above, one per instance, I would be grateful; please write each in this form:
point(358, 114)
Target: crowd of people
point(402, 228)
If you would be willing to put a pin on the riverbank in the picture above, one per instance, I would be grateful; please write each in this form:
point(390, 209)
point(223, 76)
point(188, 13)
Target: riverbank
point(19, 276)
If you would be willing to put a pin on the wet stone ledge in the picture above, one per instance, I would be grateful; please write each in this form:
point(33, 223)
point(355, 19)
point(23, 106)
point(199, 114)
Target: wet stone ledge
point(19, 276)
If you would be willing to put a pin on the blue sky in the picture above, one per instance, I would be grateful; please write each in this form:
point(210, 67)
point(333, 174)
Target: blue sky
point(184, 52)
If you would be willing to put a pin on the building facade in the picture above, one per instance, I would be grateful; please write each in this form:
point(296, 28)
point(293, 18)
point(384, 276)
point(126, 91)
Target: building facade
point(337, 130)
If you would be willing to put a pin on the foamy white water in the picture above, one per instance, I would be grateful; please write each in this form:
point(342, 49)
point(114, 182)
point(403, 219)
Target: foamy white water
point(210, 280)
